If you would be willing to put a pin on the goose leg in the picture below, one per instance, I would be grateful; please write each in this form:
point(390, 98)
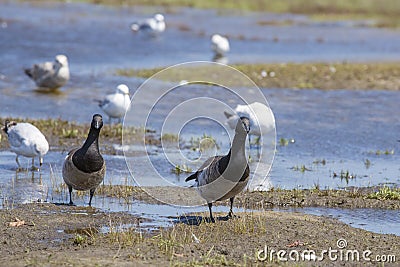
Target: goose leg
point(91, 196)
point(211, 216)
point(230, 214)
point(70, 195)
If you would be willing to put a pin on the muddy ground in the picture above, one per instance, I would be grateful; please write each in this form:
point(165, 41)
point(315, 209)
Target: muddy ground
point(61, 235)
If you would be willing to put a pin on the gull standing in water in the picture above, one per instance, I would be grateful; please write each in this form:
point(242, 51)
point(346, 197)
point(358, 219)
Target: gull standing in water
point(223, 177)
point(26, 140)
point(51, 75)
point(152, 26)
point(117, 104)
point(220, 46)
point(261, 118)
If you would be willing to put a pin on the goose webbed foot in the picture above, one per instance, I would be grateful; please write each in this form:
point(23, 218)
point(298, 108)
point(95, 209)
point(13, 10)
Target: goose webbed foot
point(70, 196)
point(91, 196)
point(212, 220)
point(230, 214)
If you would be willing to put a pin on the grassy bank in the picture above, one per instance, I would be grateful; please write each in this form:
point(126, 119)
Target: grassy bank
point(307, 75)
point(53, 235)
point(64, 135)
point(386, 13)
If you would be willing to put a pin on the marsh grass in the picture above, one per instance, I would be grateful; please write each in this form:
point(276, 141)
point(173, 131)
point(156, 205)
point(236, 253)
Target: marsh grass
point(203, 143)
point(385, 12)
point(179, 169)
point(301, 168)
point(383, 152)
point(320, 162)
point(345, 175)
point(303, 75)
point(367, 163)
point(117, 191)
point(176, 241)
point(283, 142)
point(62, 134)
point(169, 137)
point(124, 237)
point(386, 193)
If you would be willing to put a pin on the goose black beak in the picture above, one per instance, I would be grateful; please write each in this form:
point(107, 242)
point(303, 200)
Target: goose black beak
point(97, 124)
point(246, 124)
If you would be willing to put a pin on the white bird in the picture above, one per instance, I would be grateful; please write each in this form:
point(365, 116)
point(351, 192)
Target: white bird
point(26, 140)
point(117, 104)
point(84, 168)
point(220, 45)
point(51, 75)
point(223, 177)
point(153, 26)
point(261, 118)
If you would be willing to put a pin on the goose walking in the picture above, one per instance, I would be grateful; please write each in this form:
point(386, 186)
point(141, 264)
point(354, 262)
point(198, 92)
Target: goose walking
point(84, 168)
point(220, 45)
point(261, 118)
point(223, 177)
point(51, 75)
point(115, 105)
point(26, 140)
point(152, 26)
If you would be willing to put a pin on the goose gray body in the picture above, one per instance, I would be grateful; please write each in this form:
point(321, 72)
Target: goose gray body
point(80, 180)
point(223, 177)
point(84, 168)
point(215, 185)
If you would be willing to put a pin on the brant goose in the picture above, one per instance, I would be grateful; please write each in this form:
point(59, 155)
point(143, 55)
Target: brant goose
point(26, 140)
point(51, 75)
point(84, 167)
point(223, 177)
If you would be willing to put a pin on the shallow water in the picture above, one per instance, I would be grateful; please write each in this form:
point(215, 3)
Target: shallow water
point(377, 221)
point(343, 128)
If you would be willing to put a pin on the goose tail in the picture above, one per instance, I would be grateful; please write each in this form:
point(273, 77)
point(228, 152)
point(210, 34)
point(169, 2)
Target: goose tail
point(192, 177)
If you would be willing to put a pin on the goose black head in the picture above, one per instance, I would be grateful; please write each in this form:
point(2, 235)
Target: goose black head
point(97, 122)
point(243, 124)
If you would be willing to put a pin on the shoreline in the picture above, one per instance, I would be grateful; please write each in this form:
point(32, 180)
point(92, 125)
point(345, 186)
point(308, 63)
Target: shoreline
point(63, 235)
